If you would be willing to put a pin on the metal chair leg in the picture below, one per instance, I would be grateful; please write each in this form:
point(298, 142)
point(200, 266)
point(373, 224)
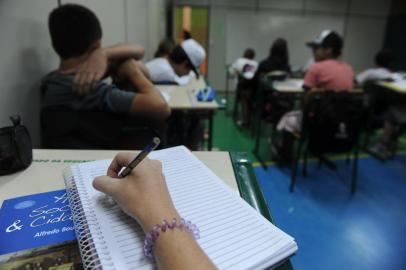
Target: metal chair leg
point(306, 153)
point(295, 164)
point(354, 171)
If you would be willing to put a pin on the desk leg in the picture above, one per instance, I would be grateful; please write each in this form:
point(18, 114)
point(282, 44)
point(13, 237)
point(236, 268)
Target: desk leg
point(210, 139)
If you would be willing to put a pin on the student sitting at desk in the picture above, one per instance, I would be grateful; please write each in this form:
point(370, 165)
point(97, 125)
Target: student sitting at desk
point(278, 58)
point(328, 73)
point(383, 60)
point(76, 37)
point(186, 57)
point(243, 69)
point(244, 66)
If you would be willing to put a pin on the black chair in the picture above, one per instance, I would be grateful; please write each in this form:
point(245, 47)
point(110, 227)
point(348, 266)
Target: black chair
point(332, 123)
point(270, 106)
point(64, 128)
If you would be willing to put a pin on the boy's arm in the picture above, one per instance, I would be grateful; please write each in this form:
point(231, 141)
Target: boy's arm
point(124, 51)
point(92, 70)
point(148, 101)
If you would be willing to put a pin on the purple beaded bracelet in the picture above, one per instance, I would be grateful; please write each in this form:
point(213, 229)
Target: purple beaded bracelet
point(153, 234)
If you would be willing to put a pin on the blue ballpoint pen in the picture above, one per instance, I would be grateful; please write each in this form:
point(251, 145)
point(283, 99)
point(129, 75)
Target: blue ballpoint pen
point(149, 148)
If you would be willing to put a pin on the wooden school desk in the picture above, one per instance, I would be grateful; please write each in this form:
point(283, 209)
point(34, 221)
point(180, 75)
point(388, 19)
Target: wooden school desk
point(289, 86)
point(45, 174)
point(182, 98)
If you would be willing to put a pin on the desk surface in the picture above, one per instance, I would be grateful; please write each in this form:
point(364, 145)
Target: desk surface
point(183, 97)
point(45, 173)
point(289, 86)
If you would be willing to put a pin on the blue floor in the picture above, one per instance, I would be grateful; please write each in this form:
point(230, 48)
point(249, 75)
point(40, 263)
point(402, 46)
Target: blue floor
point(335, 230)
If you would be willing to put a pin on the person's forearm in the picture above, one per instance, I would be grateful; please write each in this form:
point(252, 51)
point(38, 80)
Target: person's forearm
point(140, 82)
point(124, 51)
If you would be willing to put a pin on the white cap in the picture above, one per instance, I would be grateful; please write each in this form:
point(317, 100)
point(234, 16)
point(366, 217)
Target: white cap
point(195, 53)
point(319, 40)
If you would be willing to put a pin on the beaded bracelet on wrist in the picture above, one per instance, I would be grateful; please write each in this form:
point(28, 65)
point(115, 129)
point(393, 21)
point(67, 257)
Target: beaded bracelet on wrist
point(153, 234)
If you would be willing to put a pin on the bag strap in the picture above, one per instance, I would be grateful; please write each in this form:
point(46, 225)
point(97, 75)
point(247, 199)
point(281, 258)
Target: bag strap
point(16, 120)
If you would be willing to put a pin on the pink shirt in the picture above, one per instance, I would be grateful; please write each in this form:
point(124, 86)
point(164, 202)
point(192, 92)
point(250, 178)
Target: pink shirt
point(330, 74)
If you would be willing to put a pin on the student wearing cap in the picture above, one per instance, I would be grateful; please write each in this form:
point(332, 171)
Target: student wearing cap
point(175, 68)
point(328, 73)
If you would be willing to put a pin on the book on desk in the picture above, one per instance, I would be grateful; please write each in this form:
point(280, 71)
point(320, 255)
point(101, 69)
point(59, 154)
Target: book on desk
point(37, 231)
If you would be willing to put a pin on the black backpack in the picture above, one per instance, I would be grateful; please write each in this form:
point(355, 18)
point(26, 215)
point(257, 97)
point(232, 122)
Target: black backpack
point(15, 147)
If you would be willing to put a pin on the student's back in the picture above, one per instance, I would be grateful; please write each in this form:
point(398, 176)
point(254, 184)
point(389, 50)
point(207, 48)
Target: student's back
point(331, 74)
point(278, 58)
point(57, 91)
point(328, 72)
point(76, 37)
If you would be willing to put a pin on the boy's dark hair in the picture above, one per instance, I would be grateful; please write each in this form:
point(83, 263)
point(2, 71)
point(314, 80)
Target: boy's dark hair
point(383, 58)
point(73, 29)
point(165, 47)
point(249, 53)
point(334, 42)
point(178, 56)
point(278, 53)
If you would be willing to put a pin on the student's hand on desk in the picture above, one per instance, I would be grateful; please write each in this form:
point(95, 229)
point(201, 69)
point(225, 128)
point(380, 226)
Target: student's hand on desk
point(90, 72)
point(143, 194)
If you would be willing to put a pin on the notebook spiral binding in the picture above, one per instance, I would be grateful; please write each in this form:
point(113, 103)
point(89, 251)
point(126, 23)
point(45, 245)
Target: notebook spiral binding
point(87, 229)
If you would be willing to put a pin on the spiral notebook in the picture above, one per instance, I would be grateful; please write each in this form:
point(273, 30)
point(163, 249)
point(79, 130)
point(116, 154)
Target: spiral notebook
point(233, 234)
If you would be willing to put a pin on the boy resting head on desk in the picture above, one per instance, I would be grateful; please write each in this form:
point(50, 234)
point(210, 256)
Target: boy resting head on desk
point(175, 68)
point(76, 37)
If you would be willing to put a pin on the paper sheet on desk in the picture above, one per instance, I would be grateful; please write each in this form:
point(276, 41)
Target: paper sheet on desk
point(166, 96)
point(399, 85)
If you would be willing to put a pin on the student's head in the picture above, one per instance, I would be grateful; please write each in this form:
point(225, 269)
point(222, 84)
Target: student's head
point(278, 52)
point(187, 56)
point(383, 58)
point(249, 54)
point(165, 47)
point(186, 34)
point(327, 45)
point(74, 29)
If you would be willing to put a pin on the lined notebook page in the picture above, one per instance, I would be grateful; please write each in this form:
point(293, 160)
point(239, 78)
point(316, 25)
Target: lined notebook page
point(233, 234)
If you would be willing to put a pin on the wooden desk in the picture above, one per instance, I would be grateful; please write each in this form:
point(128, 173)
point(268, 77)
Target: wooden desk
point(45, 173)
point(292, 86)
point(295, 86)
point(182, 99)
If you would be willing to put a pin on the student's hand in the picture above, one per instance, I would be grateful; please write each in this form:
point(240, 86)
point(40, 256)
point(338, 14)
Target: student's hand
point(90, 72)
point(143, 194)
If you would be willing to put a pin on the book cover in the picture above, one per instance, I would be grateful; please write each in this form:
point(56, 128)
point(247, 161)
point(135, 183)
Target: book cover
point(36, 232)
